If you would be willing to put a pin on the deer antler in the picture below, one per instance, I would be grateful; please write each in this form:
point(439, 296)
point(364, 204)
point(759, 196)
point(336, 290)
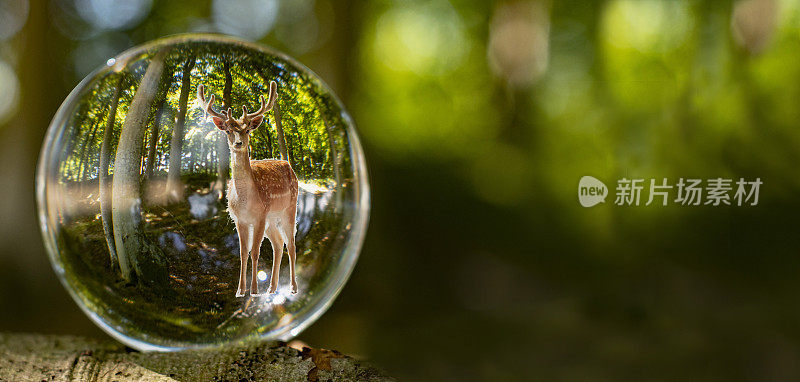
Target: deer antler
point(208, 105)
point(265, 106)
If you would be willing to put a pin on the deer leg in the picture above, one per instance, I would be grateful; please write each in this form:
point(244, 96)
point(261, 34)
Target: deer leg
point(244, 241)
point(289, 229)
point(275, 238)
point(258, 237)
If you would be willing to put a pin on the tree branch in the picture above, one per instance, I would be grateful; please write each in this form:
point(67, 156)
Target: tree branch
point(32, 357)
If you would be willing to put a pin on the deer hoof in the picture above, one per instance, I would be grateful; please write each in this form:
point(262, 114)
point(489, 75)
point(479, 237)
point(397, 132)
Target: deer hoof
point(294, 288)
point(240, 293)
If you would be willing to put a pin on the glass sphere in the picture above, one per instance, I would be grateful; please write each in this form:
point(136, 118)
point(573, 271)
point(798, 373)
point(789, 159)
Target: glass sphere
point(174, 179)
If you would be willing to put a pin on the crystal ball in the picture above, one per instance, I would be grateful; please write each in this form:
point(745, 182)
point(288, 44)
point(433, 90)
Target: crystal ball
point(198, 191)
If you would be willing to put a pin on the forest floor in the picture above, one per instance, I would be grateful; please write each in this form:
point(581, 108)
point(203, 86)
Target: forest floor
point(191, 294)
point(190, 265)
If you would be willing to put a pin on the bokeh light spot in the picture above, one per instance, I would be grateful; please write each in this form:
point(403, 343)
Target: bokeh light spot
point(420, 40)
point(247, 18)
point(647, 25)
point(113, 14)
point(13, 14)
point(9, 92)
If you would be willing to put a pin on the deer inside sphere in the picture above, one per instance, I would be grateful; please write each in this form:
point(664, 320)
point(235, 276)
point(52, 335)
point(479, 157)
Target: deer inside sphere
point(262, 194)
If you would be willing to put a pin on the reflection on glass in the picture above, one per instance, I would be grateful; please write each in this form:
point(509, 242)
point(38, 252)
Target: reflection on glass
point(132, 190)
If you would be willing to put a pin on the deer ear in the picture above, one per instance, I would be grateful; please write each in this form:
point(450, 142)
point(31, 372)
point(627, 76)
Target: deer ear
point(219, 122)
point(255, 122)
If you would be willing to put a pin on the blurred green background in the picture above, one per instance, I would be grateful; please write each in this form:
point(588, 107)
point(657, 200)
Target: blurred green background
point(478, 119)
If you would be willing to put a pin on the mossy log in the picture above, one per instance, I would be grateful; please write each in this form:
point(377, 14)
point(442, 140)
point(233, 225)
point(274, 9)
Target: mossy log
point(32, 357)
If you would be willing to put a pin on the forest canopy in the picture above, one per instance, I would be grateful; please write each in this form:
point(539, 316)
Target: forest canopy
point(312, 121)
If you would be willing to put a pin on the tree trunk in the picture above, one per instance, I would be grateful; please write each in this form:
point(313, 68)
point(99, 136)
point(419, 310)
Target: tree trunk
point(192, 160)
point(269, 138)
point(202, 156)
point(126, 198)
point(278, 122)
point(83, 158)
point(335, 158)
point(174, 186)
point(151, 152)
point(279, 128)
point(105, 182)
point(30, 357)
point(223, 152)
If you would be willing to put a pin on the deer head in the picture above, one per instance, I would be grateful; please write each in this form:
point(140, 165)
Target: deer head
point(238, 130)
